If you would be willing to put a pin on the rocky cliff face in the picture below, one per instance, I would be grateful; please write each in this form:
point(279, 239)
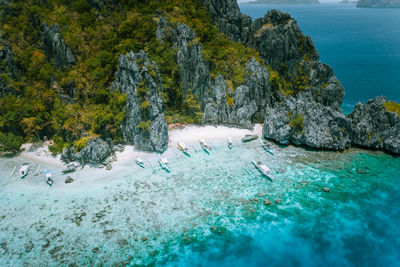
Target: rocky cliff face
point(372, 126)
point(379, 3)
point(139, 79)
point(9, 68)
point(55, 47)
point(96, 152)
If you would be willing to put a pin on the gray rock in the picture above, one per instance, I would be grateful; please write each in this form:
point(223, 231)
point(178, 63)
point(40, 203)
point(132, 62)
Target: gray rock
point(95, 152)
point(109, 167)
point(145, 124)
point(119, 148)
point(372, 126)
point(69, 180)
point(55, 47)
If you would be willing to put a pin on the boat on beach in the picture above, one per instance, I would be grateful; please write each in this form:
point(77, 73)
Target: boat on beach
point(183, 147)
point(267, 147)
point(263, 169)
point(139, 162)
point(49, 177)
point(205, 146)
point(230, 143)
point(249, 137)
point(24, 169)
point(164, 164)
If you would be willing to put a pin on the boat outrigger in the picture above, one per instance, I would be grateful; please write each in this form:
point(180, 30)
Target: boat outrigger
point(263, 169)
point(267, 147)
point(164, 164)
point(230, 142)
point(139, 162)
point(183, 147)
point(205, 146)
point(249, 137)
point(49, 177)
point(24, 169)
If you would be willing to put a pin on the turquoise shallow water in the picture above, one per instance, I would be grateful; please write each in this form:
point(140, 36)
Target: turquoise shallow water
point(209, 211)
point(361, 44)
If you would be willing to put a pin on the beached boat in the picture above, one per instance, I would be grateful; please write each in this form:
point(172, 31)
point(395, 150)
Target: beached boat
point(249, 137)
point(183, 147)
point(49, 177)
point(205, 146)
point(139, 162)
point(24, 169)
point(263, 169)
point(267, 147)
point(230, 143)
point(164, 164)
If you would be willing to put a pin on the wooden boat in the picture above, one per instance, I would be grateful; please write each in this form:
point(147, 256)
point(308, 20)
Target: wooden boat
point(263, 169)
point(139, 162)
point(230, 143)
point(24, 169)
point(267, 147)
point(205, 146)
point(164, 164)
point(249, 137)
point(49, 177)
point(183, 147)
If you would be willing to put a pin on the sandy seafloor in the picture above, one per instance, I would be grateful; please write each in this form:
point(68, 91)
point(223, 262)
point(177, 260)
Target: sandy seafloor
point(208, 211)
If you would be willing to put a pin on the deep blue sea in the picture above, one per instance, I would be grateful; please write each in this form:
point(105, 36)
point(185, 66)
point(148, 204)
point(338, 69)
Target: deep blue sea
point(362, 45)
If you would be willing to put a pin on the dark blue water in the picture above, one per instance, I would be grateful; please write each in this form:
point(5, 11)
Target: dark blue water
point(362, 45)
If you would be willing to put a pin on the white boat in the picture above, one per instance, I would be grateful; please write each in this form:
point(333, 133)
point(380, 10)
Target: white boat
point(164, 164)
point(230, 143)
point(24, 169)
point(183, 147)
point(267, 147)
point(139, 162)
point(49, 177)
point(205, 146)
point(263, 169)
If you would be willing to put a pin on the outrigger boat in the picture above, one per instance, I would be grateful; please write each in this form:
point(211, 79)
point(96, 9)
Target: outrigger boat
point(263, 169)
point(205, 146)
point(267, 147)
point(49, 177)
point(164, 164)
point(183, 147)
point(24, 169)
point(249, 137)
point(230, 142)
point(139, 162)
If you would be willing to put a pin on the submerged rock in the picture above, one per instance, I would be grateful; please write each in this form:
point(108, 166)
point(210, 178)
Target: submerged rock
point(326, 189)
point(373, 126)
point(267, 202)
point(145, 124)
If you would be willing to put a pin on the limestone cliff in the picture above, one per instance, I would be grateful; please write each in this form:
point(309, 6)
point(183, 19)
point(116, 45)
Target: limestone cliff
point(9, 68)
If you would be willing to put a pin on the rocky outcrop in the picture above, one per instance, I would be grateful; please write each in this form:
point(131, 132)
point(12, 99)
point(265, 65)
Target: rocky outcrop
point(373, 126)
point(139, 79)
point(301, 120)
point(379, 3)
point(96, 151)
point(9, 68)
point(55, 47)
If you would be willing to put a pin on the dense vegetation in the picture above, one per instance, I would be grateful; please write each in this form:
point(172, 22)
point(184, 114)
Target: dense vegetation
point(42, 103)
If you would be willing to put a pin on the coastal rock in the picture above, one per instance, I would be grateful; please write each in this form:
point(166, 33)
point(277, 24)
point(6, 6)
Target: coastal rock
point(145, 124)
point(303, 121)
point(69, 180)
point(379, 3)
point(108, 167)
point(55, 47)
point(95, 152)
point(373, 126)
point(217, 110)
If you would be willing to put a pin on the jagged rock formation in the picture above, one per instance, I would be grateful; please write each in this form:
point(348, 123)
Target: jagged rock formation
point(372, 126)
point(96, 152)
point(139, 79)
point(55, 47)
point(9, 68)
point(379, 3)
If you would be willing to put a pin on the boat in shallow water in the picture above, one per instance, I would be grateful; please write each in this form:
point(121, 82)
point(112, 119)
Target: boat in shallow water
point(183, 147)
point(249, 137)
point(24, 169)
point(263, 169)
point(49, 177)
point(267, 147)
point(205, 146)
point(164, 163)
point(230, 143)
point(139, 162)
